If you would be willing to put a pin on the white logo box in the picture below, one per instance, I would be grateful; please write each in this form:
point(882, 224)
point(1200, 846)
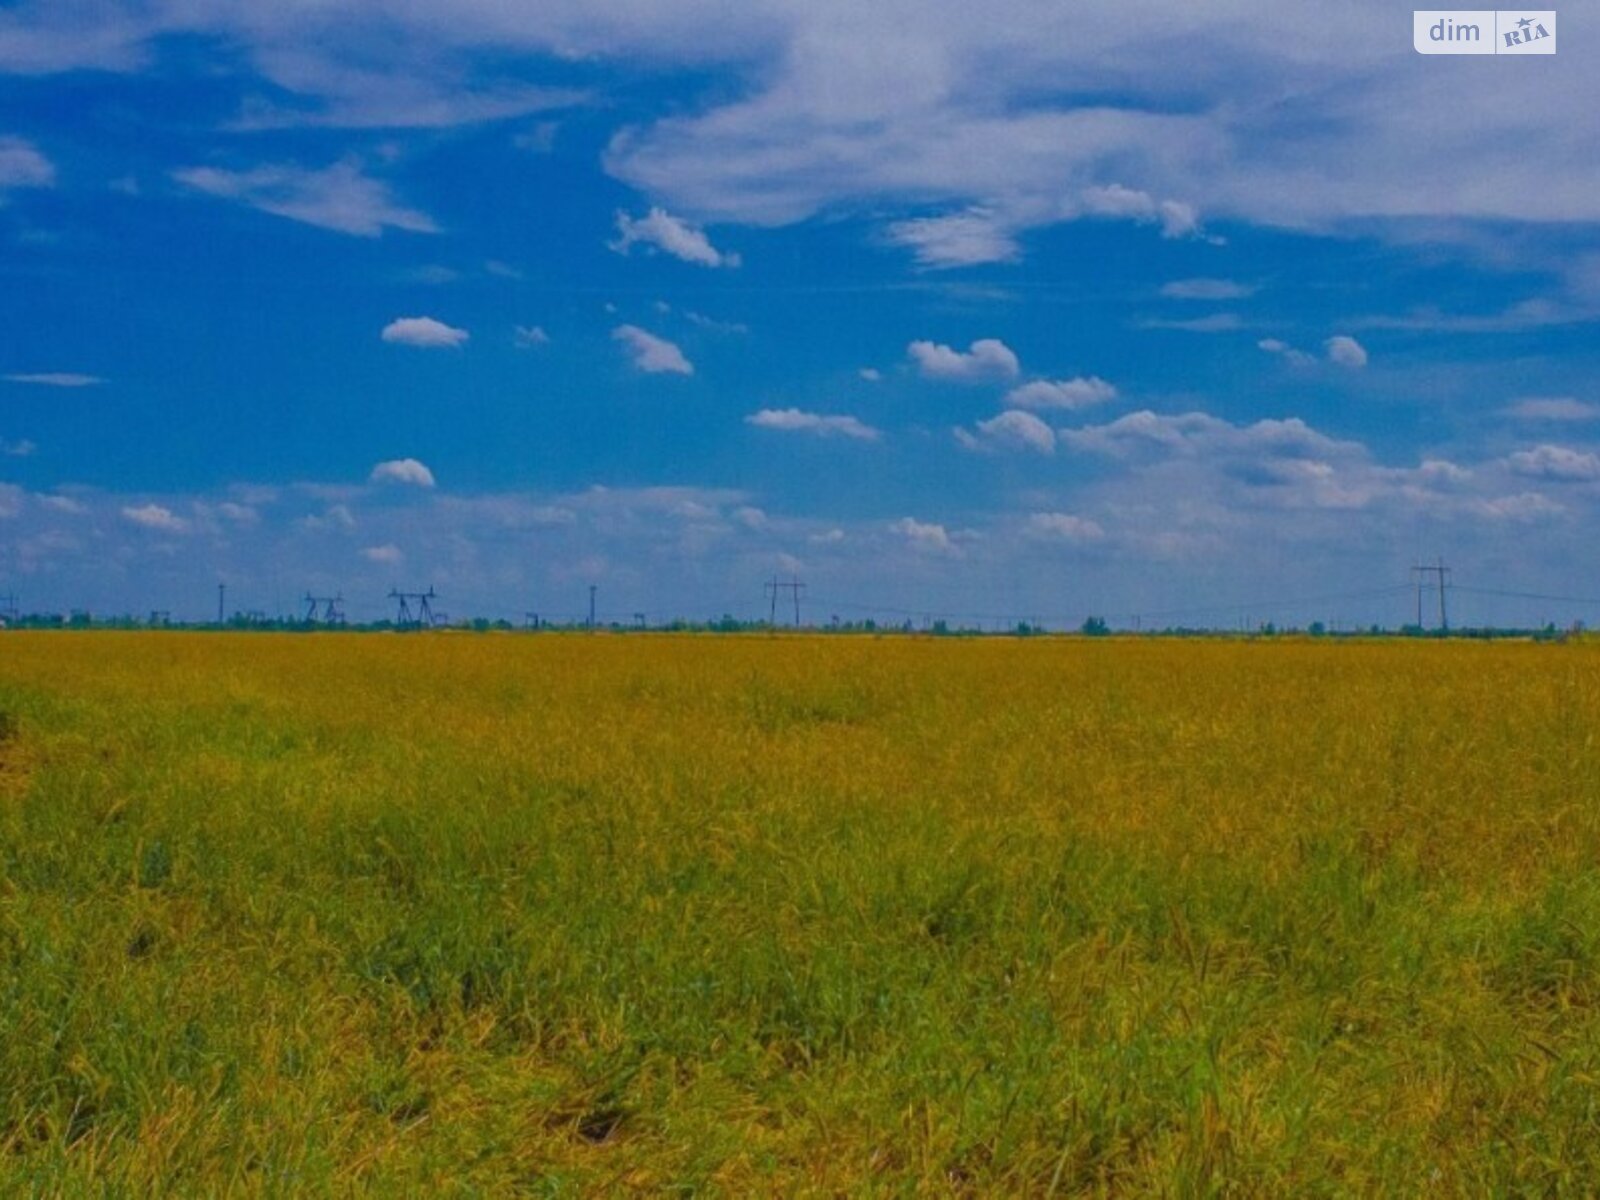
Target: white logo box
point(1483, 31)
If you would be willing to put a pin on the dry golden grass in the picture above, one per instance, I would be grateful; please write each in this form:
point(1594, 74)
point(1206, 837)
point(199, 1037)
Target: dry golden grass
point(559, 914)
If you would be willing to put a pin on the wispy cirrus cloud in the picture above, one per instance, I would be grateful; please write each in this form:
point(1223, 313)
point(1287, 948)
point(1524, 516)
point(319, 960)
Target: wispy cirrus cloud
point(958, 240)
point(56, 379)
point(340, 197)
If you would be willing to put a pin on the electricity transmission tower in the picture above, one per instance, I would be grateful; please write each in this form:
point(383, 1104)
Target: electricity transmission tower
point(408, 618)
point(330, 608)
point(1442, 575)
point(773, 587)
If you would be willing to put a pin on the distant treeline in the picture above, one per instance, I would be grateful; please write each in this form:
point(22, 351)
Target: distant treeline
point(1092, 627)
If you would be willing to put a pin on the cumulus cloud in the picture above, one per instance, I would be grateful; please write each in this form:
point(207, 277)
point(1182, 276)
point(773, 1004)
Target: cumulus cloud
point(18, 449)
point(1065, 527)
point(985, 359)
point(1560, 463)
point(1011, 430)
point(1176, 218)
point(923, 535)
point(387, 554)
point(530, 336)
point(1207, 289)
point(1345, 351)
point(1552, 408)
point(22, 166)
point(959, 240)
point(870, 374)
point(651, 354)
point(672, 235)
point(60, 379)
point(338, 197)
point(424, 332)
point(794, 420)
point(406, 471)
point(1081, 392)
point(156, 517)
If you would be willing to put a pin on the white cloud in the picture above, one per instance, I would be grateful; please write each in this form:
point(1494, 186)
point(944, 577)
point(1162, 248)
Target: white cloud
point(11, 498)
point(1555, 462)
point(1552, 408)
point(1289, 353)
point(18, 449)
point(923, 535)
point(387, 554)
point(424, 332)
point(986, 358)
point(1524, 506)
point(531, 336)
point(1226, 322)
point(155, 516)
point(1011, 430)
point(827, 537)
point(1065, 527)
point(715, 325)
point(959, 240)
point(22, 166)
point(1195, 433)
point(671, 235)
point(794, 420)
point(1207, 289)
point(1176, 218)
point(349, 96)
point(61, 379)
point(871, 374)
point(1081, 392)
point(404, 471)
point(651, 354)
point(338, 197)
point(64, 504)
point(1345, 351)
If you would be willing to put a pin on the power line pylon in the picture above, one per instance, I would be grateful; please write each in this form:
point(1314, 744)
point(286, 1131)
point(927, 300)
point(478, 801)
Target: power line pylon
point(419, 618)
point(1442, 574)
point(794, 587)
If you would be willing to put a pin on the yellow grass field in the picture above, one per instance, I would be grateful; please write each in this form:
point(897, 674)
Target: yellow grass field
point(565, 914)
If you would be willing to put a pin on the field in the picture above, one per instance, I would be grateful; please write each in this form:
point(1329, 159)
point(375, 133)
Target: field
point(551, 915)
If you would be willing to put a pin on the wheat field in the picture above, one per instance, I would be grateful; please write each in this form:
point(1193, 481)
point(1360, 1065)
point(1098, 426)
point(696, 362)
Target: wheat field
point(565, 914)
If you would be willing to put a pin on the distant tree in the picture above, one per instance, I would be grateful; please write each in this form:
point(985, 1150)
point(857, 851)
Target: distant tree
point(1096, 627)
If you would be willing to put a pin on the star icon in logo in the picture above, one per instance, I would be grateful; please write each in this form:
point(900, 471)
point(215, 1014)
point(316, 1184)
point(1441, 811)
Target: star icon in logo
point(1525, 22)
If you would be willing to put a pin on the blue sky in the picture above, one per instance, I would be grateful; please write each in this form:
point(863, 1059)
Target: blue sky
point(1013, 310)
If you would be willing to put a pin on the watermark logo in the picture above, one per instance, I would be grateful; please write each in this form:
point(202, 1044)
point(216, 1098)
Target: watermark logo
point(1483, 31)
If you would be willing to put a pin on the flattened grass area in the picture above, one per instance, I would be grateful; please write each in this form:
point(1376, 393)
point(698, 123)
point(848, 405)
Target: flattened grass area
point(562, 914)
